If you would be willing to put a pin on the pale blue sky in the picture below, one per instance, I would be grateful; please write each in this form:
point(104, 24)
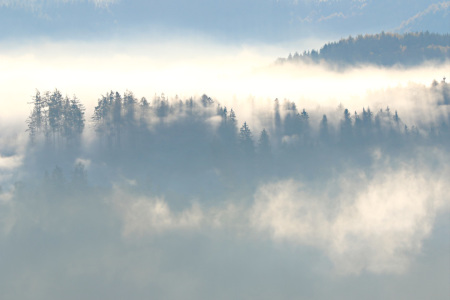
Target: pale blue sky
point(234, 21)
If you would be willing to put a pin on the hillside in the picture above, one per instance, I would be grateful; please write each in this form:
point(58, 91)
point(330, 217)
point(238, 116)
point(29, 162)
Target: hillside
point(385, 49)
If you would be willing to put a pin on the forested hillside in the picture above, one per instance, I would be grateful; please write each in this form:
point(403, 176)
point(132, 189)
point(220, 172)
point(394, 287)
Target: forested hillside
point(181, 145)
point(384, 49)
point(175, 150)
point(115, 189)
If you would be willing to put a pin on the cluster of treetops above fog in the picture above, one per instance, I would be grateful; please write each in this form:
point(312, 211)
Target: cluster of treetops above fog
point(385, 49)
point(200, 140)
point(123, 121)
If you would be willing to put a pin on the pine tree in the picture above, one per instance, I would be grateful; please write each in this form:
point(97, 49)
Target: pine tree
point(277, 118)
point(245, 139)
point(264, 148)
point(346, 127)
point(324, 132)
point(77, 114)
point(36, 120)
point(55, 115)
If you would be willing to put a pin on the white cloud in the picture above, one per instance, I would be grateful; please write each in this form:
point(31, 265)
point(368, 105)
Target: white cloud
point(332, 16)
point(148, 216)
point(223, 72)
point(10, 162)
point(7, 212)
point(433, 8)
point(377, 225)
point(85, 162)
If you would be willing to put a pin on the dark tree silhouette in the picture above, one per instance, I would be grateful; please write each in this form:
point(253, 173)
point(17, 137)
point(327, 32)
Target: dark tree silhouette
point(60, 120)
point(386, 49)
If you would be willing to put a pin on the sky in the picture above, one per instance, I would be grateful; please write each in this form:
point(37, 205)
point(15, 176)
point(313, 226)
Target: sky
point(249, 21)
point(375, 233)
point(89, 47)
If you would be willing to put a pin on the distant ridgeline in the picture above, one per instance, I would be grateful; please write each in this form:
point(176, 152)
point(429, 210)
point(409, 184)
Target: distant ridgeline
point(385, 49)
point(199, 140)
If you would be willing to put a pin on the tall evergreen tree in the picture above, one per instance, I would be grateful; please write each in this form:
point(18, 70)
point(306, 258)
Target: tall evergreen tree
point(264, 149)
point(324, 132)
point(245, 139)
point(37, 120)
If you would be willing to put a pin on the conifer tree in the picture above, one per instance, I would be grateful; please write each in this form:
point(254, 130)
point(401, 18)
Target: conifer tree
point(36, 121)
point(264, 148)
point(245, 139)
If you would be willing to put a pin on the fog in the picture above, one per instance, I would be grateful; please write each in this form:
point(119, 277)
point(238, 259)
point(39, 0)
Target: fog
point(378, 228)
point(193, 67)
point(178, 197)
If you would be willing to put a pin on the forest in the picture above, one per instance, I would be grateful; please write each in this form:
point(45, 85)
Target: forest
point(117, 195)
point(384, 49)
point(198, 148)
point(224, 150)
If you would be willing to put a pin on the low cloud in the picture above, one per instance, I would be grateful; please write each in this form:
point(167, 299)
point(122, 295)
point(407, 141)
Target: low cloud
point(373, 218)
point(228, 74)
point(7, 213)
point(374, 224)
point(146, 216)
point(10, 162)
point(362, 222)
point(143, 215)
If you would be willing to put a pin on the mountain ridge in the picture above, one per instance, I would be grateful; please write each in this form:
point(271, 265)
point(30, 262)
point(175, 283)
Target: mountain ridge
point(384, 49)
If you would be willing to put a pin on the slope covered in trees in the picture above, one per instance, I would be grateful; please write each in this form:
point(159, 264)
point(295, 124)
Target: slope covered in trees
point(384, 49)
point(180, 145)
point(58, 119)
point(146, 181)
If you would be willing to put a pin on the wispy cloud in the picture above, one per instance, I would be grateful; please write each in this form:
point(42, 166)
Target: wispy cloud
point(360, 222)
point(378, 228)
point(432, 9)
point(153, 215)
point(332, 16)
point(309, 18)
point(321, 14)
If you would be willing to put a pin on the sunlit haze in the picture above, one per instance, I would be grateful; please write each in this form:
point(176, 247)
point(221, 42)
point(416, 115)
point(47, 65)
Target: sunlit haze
point(252, 149)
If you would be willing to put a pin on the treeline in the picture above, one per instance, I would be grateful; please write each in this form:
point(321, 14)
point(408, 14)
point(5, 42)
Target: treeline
point(384, 49)
point(57, 119)
point(198, 144)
